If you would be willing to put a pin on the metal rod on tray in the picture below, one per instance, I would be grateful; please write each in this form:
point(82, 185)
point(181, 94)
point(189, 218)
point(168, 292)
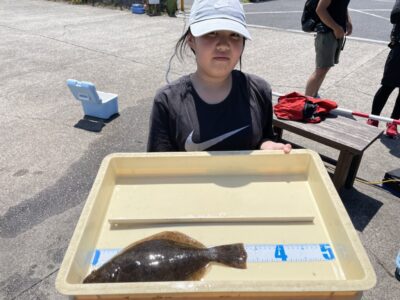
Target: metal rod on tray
point(180, 220)
point(348, 112)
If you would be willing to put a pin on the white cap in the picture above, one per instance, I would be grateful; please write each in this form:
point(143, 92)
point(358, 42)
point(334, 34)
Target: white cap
point(214, 15)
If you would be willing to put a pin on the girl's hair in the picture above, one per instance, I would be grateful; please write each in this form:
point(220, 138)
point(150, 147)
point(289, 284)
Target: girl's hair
point(182, 44)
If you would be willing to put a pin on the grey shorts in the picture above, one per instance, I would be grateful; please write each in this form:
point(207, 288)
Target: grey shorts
point(327, 49)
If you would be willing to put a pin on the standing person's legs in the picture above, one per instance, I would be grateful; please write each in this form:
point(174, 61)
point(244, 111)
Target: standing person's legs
point(396, 110)
point(327, 49)
point(380, 99)
point(379, 102)
point(391, 77)
point(391, 128)
point(315, 81)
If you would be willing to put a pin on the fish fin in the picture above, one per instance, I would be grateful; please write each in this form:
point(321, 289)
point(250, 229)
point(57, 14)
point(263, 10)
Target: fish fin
point(180, 238)
point(233, 255)
point(176, 236)
point(199, 273)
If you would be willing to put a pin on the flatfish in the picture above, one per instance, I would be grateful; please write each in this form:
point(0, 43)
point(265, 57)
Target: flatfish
point(166, 256)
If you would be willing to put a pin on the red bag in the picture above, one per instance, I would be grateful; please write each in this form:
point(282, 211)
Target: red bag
point(297, 107)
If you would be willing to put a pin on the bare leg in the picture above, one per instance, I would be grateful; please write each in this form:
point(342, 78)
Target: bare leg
point(315, 81)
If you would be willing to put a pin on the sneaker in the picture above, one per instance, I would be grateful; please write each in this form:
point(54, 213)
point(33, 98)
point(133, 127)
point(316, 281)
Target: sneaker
point(391, 130)
point(373, 122)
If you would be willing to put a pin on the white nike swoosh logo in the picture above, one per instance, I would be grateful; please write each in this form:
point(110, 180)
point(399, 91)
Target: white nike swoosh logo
point(192, 146)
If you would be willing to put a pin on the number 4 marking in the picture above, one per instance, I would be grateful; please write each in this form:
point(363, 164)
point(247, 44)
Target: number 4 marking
point(280, 253)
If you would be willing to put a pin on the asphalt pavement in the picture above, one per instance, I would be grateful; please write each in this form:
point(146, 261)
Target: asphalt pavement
point(370, 17)
point(48, 164)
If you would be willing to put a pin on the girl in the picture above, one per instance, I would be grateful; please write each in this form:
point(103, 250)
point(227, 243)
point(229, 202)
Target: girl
point(216, 107)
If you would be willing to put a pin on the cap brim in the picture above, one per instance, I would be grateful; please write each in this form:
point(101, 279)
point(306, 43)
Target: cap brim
point(203, 27)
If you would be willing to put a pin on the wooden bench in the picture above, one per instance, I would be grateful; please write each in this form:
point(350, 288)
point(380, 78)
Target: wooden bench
point(345, 134)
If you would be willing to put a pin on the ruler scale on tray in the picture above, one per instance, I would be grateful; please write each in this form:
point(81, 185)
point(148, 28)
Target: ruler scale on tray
point(257, 253)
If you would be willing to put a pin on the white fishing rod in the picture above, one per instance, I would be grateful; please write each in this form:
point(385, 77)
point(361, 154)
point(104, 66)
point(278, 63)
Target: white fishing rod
point(348, 112)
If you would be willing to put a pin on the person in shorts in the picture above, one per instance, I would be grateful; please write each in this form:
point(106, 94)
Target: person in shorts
point(329, 41)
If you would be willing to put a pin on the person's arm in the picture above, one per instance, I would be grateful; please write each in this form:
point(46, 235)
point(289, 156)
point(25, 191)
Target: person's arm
point(323, 14)
point(159, 139)
point(267, 142)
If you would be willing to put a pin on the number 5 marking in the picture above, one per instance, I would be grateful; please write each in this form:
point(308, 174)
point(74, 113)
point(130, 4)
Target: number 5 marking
point(327, 252)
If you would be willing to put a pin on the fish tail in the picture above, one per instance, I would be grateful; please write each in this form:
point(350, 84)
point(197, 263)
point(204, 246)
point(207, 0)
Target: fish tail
point(233, 255)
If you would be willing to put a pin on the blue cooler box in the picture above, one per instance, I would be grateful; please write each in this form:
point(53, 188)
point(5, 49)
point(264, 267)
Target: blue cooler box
point(95, 103)
point(137, 9)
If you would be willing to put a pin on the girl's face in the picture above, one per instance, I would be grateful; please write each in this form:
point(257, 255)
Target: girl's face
point(217, 53)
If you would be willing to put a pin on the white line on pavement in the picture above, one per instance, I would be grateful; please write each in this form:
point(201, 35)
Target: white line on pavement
point(302, 32)
point(386, 1)
point(363, 12)
point(373, 9)
point(274, 12)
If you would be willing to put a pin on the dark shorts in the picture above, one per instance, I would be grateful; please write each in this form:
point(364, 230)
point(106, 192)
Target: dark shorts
point(327, 49)
point(391, 75)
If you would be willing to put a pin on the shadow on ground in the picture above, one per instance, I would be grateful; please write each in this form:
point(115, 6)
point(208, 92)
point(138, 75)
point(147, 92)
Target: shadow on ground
point(360, 207)
point(94, 124)
point(123, 134)
point(393, 145)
